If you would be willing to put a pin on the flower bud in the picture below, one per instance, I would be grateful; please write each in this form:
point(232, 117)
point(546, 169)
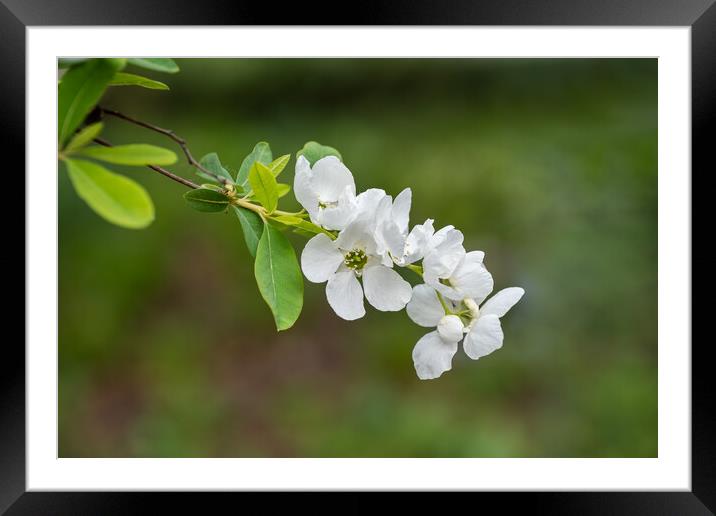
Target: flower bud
point(450, 328)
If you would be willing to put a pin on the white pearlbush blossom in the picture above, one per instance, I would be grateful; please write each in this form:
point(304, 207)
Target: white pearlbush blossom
point(433, 353)
point(326, 190)
point(357, 252)
point(367, 235)
point(484, 333)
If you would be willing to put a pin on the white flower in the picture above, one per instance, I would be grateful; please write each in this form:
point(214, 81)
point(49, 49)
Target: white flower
point(392, 223)
point(484, 330)
point(455, 273)
point(352, 255)
point(433, 353)
point(326, 191)
point(421, 240)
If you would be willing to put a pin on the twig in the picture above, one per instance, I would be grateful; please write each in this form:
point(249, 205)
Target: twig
point(182, 143)
point(168, 133)
point(161, 170)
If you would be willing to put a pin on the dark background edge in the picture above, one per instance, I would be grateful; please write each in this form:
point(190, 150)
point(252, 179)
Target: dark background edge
point(512, 12)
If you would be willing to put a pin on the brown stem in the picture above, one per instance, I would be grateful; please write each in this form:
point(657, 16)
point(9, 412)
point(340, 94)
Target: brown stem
point(161, 170)
point(168, 133)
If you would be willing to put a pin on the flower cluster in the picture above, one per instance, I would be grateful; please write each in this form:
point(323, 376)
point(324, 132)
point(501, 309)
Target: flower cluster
point(367, 235)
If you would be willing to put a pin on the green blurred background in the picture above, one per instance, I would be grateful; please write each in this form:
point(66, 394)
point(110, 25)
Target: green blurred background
point(550, 166)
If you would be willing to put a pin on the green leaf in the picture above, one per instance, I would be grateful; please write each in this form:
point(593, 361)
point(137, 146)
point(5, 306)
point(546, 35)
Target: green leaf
point(158, 64)
point(252, 226)
point(264, 186)
point(282, 189)
point(212, 186)
point(133, 154)
point(279, 277)
point(211, 163)
point(85, 136)
point(304, 225)
point(116, 198)
point(81, 88)
point(290, 220)
point(260, 153)
point(129, 79)
point(313, 151)
point(303, 232)
point(279, 164)
point(206, 200)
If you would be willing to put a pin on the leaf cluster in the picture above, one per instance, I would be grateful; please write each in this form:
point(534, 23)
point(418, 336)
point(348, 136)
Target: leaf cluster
point(253, 193)
point(116, 198)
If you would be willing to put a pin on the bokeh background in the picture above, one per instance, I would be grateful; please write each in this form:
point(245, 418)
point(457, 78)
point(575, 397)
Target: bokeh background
point(167, 350)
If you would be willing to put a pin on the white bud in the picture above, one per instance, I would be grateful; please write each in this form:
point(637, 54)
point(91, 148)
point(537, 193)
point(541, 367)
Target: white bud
point(450, 328)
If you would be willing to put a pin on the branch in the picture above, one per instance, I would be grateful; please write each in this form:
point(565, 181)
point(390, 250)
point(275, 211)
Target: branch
point(182, 143)
point(161, 170)
point(168, 133)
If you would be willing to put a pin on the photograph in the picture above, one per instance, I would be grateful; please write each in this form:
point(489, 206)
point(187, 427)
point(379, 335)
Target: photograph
point(357, 257)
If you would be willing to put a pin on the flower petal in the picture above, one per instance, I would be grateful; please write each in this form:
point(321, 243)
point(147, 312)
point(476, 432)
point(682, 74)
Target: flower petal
point(330, 178)
point(345, 295)
point(447, 291)
point(382, 210)
point(471, 279)
point(424, 307)
point(501, 302)
point(442, 261)
point(393, 240)
point(302, 186)
point(484, 337)
point(358, 234)
point(417, 242)
point(432, 356)
point(476, 256)
point(338, 215)
point(368, 201)
point(320, 259)
point(439, 236)
point(400, 212)
point(385, 289)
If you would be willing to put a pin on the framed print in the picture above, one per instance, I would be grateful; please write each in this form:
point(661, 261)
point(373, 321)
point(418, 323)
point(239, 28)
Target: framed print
point(435, 251)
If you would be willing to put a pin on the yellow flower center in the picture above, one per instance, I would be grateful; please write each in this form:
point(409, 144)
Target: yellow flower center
point(355, 259)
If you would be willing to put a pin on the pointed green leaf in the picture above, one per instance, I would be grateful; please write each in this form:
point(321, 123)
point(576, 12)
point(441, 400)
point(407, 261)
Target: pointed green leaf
point(264, 186)
point(290, 220)
point(138, 154)
point(282, 189)
point(279, 164)
point(81, 88)
point(299, 223)
point(116, 198)
point(129, 79)
point(206, 200)
point(212, 186)
point(313, 151)
point(211, 163)
point(158, 64)
point(303, 232)
point(252, 226)
point(279, 277)
point(260, 153)
point(85, 136)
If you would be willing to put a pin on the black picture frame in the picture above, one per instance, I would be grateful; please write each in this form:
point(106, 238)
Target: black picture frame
point(700, 15)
